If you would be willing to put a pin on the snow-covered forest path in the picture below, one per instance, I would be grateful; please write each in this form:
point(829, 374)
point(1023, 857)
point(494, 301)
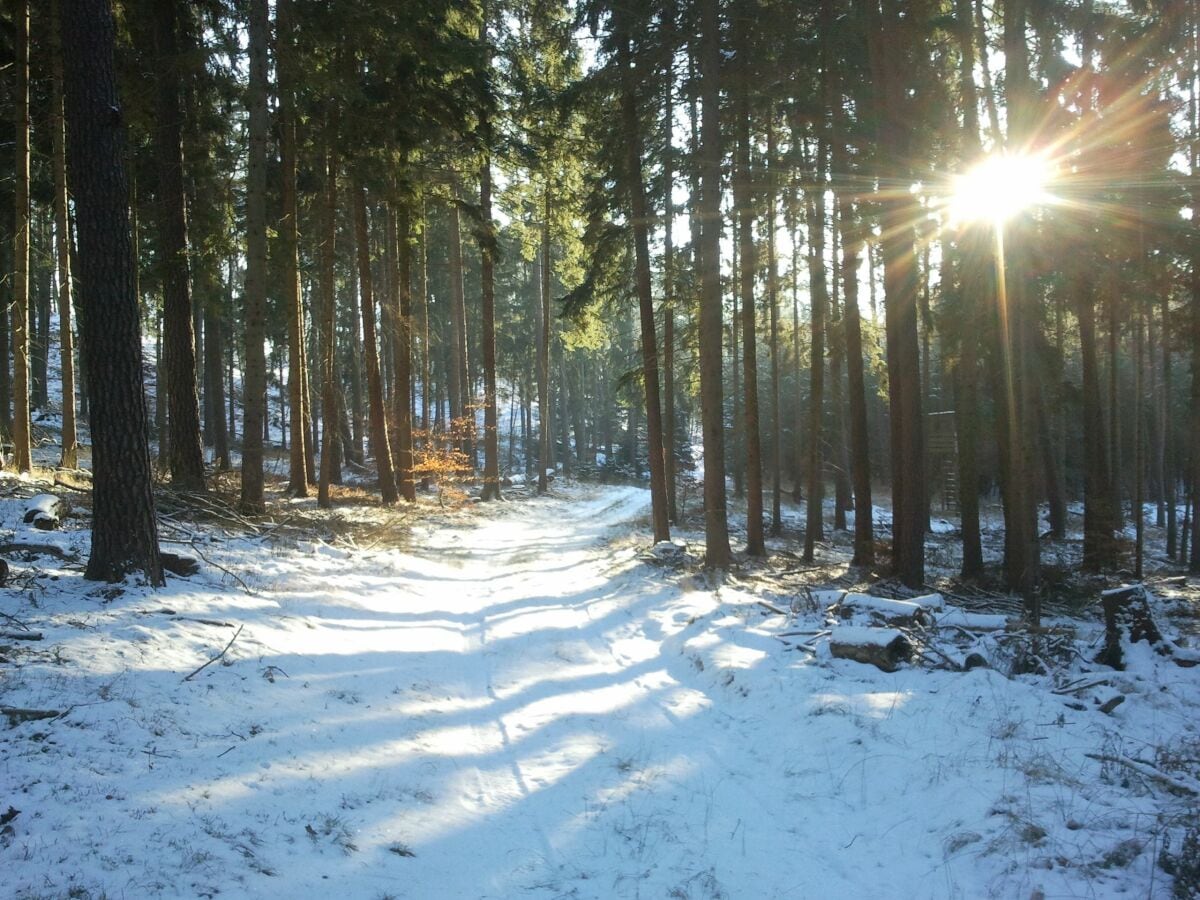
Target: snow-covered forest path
point(510, 704)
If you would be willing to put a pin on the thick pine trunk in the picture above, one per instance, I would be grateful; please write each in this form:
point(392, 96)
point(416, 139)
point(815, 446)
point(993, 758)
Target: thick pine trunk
point(899, 212)
point(124, 527)
point(716, 526)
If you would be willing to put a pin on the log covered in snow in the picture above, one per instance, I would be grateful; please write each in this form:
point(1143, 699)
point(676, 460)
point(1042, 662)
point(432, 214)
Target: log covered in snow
point(884, 648)
point(45, 511)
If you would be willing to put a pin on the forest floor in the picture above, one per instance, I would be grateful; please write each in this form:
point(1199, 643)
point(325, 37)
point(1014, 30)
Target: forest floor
point(517, 700)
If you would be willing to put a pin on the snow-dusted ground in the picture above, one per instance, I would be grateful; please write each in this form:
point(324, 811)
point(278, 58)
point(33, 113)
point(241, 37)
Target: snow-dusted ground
point(509, 703)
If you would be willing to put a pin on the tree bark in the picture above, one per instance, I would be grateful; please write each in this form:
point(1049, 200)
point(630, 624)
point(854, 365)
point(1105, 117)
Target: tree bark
point(818, 297)
point(898, 248)
point(716, 527)
point(743, 200)
point(330, 437)
point(62, 232)
point(401, 302)
point(124, 527)
point(375, 409)
point(639, 217)
point(254, 375)
point(185, 447)
point(22, 450)
point(487, 277)
point(543, 350)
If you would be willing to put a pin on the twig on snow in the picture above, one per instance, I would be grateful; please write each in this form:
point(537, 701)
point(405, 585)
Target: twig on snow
point(196, 672)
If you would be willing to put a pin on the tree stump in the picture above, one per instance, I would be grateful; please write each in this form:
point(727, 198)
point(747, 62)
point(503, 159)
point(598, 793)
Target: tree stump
point(1127, 618)
point(45, 511)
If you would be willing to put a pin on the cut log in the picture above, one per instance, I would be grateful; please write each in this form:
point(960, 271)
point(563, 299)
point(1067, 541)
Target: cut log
point(45, 511)
point(1127, 619)
point(884, 648)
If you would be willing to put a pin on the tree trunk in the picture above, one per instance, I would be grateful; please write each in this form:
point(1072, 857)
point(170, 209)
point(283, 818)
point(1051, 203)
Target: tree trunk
point(62, 231)
point(716, 527)
point(299, 471)
point(743, 201)
point(852, 241)
point(185, 448)
point(899, 212)
point(819, 298)
point(773, 309)
point(330, 438)
point(214, 380)
point(459, 388)
point(22, 450)
point(668, 427)
point(487, 277)
point(254, 375)
point(401, 303)
point(639, 218)
point(378, 418)
point(124, 527)
point(543, 350)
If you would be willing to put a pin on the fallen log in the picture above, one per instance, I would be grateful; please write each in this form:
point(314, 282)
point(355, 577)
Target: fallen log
point(884, 648)
point(882, 609)
point(16, 715)
point(21, 635)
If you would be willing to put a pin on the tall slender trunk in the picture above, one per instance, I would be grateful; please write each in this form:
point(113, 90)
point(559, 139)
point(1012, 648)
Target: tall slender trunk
point(852, 240)
point(773, 308)
point(716, 527)
point(214, 379)
point(22, 450)
point(543, 350)
point(330, 438)
point(639, 217)
point(254, 375)
point(668, 163)
point(299, 471)
point(487, 278)
point(62, 233)
point(185, 447)
point(378, 418)
point(401, 302)
point(459, 387)
point(819, 298)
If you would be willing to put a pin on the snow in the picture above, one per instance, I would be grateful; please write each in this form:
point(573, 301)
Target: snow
point(862, 636)
point(507, 702)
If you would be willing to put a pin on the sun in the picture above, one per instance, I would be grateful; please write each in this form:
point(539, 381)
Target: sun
point(999, 187)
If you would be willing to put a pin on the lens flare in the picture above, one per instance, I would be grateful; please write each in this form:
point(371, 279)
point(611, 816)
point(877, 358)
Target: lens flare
point(999, 188)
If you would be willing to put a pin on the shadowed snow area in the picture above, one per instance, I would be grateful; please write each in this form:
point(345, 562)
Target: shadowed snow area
point(514, 705)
